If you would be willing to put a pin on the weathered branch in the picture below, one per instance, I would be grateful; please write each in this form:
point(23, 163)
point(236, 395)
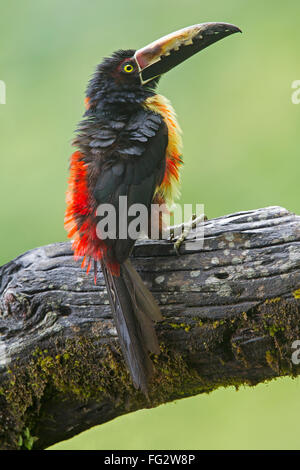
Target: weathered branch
point(231, 315)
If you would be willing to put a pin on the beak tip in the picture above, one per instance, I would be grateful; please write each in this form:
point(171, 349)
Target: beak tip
point(222, 27)
point(236, 29)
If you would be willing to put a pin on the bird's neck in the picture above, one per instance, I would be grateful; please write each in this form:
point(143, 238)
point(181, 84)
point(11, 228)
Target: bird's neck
point(116, 102)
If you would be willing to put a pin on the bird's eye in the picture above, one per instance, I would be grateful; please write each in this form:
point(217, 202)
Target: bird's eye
point(128, 68)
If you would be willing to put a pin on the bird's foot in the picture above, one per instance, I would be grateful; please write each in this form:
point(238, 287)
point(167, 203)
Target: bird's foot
point(180, 232)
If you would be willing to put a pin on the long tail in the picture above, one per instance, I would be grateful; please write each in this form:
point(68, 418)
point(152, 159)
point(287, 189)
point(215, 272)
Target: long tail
point(135, 312)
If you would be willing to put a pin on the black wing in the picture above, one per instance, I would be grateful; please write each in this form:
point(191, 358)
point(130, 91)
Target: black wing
point(134, 169)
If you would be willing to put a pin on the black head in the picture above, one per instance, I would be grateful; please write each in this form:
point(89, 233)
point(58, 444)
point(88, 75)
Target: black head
point(116, 82)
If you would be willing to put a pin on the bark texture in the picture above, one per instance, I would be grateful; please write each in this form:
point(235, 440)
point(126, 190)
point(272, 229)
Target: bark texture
point(231, 314)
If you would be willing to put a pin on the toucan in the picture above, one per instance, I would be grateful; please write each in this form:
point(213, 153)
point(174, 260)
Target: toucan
point(128, 145)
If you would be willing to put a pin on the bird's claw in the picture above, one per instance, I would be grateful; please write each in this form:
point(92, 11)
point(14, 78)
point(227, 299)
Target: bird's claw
point(182, 231)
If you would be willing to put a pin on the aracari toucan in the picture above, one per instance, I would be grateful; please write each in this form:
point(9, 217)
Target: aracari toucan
point(129, 144)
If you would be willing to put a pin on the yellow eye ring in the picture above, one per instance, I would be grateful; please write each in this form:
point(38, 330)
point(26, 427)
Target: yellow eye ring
point(128, 68)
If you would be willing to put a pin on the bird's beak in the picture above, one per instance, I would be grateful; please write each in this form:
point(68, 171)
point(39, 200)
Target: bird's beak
point(162, 55)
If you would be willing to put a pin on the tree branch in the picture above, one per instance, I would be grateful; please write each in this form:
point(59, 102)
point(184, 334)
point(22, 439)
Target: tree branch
point(231, 313)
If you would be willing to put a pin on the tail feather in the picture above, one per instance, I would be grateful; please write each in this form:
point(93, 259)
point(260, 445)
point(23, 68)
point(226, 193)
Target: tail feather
point(134, 311)
point(144, 297)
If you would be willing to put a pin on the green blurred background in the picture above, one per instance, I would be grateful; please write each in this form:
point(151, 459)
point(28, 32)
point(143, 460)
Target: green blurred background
point(241, 151)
